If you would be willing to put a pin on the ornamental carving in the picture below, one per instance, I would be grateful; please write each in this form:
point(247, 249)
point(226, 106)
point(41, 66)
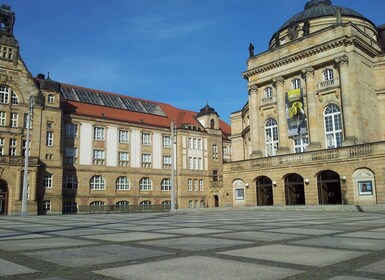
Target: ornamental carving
point(342, 60)
point(253, 89)
point(278, 81)
point(4, 79)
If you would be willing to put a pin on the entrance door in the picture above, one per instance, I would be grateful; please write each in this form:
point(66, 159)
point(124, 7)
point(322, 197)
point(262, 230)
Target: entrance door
point(216, 201)
point(3, 197)
point(264, 191)
point(329, 188)
point(294, 190)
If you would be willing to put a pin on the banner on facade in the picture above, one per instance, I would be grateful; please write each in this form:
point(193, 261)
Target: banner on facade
point(295, 113)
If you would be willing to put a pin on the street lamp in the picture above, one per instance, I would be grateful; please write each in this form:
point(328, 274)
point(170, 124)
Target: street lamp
point(24, 210)
point(173, 144)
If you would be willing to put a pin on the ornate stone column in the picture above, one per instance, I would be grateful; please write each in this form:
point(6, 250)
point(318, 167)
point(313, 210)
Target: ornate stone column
point(283, 146)
point(254, 122)
point(313, 129)
point(347, 102)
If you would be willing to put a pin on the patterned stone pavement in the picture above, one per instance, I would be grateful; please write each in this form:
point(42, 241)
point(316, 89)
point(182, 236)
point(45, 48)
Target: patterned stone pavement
point(202, 244)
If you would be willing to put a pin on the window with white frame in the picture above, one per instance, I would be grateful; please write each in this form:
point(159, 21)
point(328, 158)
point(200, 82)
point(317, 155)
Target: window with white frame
point(190, 163)
point(14, 99)
point(215, 153)
point(123, 136)
point(97, 183)
point(70, 182)
point(97, 206)
point(99, 133)
point(166, 184)
point(47, 205)
point(271, 137)
point(14, 119)
point(145, 184)
point(328, 75)
point(166, 162)
point(201, 185)
point(122, 183)
point(3, 118)
point(195, 144)
point(1, 146)
point(195, 185)
point(200, 166)
point(70, 155)
point(295, 84)
point(146, 139)
point(268, 92)
point(49, 139)
point(189, 185)
point(166, 141)
point(333, 126)
point(146, 160)
point(98, 157)
point(146, 204)
point(47, 181)
point(190, 143)
point(300, 143)
point(71, 130)
point(51, 98)
point(123, 159)
point(122, 205)
point(199, 144)
point(195, 163)
point(4, 94)
point(12, 147)
point(226, 150)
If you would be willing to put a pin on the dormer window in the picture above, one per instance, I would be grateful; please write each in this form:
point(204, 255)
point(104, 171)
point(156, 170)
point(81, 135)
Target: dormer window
point(51, 98)
point(212, 123)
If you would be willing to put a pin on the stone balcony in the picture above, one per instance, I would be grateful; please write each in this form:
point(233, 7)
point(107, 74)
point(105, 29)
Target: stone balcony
point(325, 85)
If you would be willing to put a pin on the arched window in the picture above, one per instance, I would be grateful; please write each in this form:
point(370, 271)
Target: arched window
point(145, 184)
point(96, 206)
point(14, 99)
point(296, 83)
point(268, 92)
point(122, 205)
point(166, 184)
point(122, 183)
point(97, 183)
point(145, 205)
point(271, 137)
point(333, 126)
point(328, 75)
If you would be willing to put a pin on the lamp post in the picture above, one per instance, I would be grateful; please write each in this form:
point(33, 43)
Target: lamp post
point(24, 210)
point(173, 144)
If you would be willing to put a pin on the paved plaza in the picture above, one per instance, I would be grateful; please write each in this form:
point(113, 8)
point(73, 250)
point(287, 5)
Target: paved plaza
point(202, 244)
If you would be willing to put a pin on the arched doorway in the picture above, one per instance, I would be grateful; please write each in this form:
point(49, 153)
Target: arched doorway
point(294, 190)
point(329, 188)
point(264, 191)
point(3, 197)
point(216, 201)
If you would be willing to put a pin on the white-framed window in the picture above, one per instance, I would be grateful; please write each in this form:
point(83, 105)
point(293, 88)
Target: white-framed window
point(12, 147)
point(190, 163)
point(47, 205)
point(99, 157)
point(123, 136)
point(200, 166)
point(333, 126)
point(99, 133)
point(123, 158)
point(49, 139)
point(1, 146)
point(47, 181)
point(70, 155)
point(71, 130)
point(195, 163)
point(295, 84)
point(189, 185)
point(199, 144)
point(271, 137)
point(146, 204)
point(70, 182)
point(146, 160)
point(14, 119)
point(190, 143)
point(166, 162)
point(166, 184)
point(226, 150)
point(14, 99)
point(146, 139)
point(268, 92)
point(96, 206)
point(122, 183)
point(4, 94)
point(215, 153)
point(122, 205)
point(201, 185)
point(195, 185)
point(166, 141)
point(195, 144)
point(239, 194)
point(145, 184)
point(97, 183)
point(51, 98)
point(328, 75)
point(3, 118)
point(300, 144)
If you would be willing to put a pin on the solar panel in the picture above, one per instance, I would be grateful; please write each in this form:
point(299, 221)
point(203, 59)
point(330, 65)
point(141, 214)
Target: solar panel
point(109, 100)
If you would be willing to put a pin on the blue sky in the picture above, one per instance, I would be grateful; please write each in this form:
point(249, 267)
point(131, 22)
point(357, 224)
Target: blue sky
point(182, 52)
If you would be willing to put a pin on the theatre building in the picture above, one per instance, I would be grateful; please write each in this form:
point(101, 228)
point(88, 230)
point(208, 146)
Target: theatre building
point(94, 151)
point(312, 131)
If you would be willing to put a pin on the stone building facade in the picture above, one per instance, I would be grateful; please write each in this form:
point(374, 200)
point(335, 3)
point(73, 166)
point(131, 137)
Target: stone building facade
point(312, 130)
point(93, 150)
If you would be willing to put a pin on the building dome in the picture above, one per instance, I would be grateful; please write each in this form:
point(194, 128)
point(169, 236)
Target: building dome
point(321, 8)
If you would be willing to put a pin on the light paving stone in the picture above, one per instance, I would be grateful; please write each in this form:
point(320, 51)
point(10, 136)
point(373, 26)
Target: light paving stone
point(84, 231)
point(348, 277)
point(9, 268)
point(379, 229)
point(365, 234)
point(128, 236)
point(144, 228)
point(198, 267)
point(296, 254)
point(21, 235)
point(258, 236)
point(193, 231)
point(46, 243)
point(94, 255)
point(378, 267)
point(307, 231)
point(195, 243)
point(344, 243)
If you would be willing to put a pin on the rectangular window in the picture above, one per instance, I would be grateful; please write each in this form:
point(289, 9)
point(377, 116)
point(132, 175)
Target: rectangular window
point(12, 147)
point(49, 139)
point(195, 163)
point(99, 133)
point(201, 185)
point(2, 118)
point(200, 166)
point(47, 181)
point(1, 146)
point(239, 194)
point(4, 94)
point(199, 144)
point(215, 175)
point(190, 163)
point(123, 159)
point(190, 145)
point(47, 205)
point(189, 185)
point(146, 160)
point(194, 144)
point(14, 118)
point(196, 185)
point(70, 182)
point(99, 157)
point(166, 162)
point(300, 144)
point(123, 136)
point(146, 139)
point(70, 155)
point(71, 130)
point(51, 98)
point(166, 141)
